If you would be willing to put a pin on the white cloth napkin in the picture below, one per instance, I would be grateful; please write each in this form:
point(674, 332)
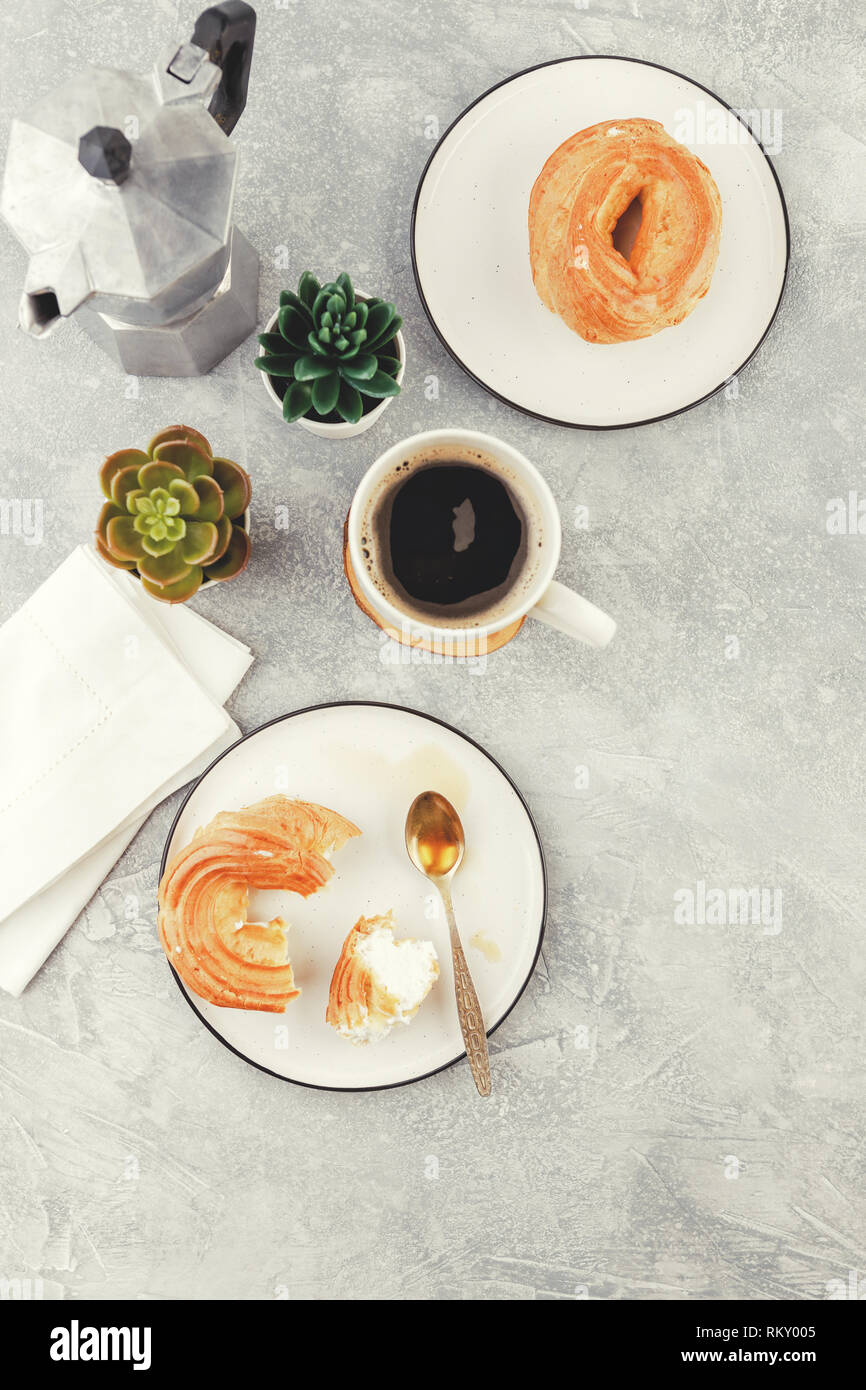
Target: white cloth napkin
point(109, 701)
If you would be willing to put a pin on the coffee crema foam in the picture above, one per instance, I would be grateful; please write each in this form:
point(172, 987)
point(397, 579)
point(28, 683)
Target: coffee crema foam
point(483, 609)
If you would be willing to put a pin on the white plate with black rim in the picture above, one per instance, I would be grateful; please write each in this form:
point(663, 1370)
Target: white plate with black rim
point(369, 761)
point(470, 247)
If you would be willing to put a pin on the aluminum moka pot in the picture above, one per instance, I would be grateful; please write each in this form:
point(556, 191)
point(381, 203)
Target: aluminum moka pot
point(120, 188)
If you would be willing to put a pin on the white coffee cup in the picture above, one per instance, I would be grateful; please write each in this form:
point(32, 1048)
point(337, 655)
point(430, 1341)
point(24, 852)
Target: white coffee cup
point(541, 596)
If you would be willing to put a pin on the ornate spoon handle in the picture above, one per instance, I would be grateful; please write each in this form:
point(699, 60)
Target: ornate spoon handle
point(468, 1008)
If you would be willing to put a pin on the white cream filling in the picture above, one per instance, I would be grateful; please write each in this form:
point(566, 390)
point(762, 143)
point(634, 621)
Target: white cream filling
point(406, 970)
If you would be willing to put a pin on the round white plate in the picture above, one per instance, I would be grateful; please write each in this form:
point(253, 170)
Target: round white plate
point(369, 761)
point(470, 247)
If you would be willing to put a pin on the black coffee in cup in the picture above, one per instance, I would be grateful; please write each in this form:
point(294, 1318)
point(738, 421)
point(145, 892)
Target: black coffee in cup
point(449, 538)
point(454, 534)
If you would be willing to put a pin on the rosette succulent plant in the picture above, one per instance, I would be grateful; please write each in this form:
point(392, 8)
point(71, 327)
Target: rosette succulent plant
point(175, 514)
point(335, 355)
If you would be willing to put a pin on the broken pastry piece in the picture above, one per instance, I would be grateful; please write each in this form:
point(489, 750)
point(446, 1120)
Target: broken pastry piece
point(379, 981)
point(204, 896)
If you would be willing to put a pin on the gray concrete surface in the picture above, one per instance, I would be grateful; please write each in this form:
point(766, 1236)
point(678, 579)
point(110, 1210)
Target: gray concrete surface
point(678, 1109)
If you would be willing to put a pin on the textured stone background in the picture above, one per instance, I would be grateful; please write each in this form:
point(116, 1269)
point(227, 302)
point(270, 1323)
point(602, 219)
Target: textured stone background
point(140, 1158)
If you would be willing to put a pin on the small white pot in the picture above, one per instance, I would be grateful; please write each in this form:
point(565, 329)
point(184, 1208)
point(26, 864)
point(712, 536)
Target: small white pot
point(339, 429)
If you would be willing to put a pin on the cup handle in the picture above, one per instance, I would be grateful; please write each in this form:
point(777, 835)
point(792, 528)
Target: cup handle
point(562, 608)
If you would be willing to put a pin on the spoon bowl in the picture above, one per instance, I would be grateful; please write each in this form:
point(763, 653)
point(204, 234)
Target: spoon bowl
point(434, 836)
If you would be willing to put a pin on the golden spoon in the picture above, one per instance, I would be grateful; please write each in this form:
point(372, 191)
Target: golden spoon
point(435, 841)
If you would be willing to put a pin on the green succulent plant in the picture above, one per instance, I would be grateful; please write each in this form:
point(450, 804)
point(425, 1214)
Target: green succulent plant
point(174, 515)
point(331, 357)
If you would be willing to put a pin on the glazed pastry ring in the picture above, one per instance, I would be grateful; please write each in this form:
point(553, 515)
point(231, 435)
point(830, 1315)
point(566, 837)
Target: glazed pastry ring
point(577, 200)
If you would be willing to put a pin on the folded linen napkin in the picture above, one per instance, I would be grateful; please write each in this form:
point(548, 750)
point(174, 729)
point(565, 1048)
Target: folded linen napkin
point(109, 701)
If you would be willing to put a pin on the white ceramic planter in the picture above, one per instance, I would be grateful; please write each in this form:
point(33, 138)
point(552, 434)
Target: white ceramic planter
point(339, 429)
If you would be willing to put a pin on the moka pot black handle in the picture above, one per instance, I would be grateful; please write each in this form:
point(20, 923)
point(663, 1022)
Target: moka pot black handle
point(226, 32)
